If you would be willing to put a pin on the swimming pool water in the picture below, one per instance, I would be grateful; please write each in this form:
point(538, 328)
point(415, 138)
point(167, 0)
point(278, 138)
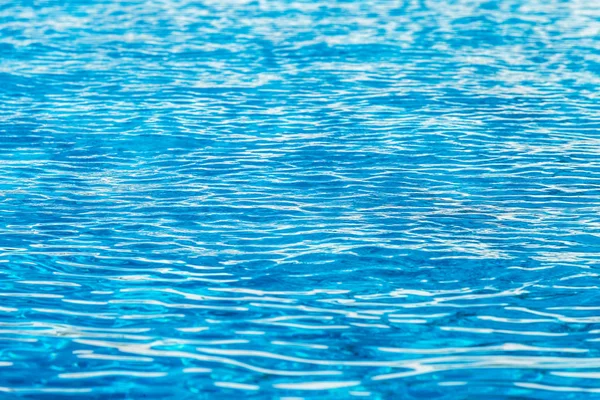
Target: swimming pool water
point(299, 199)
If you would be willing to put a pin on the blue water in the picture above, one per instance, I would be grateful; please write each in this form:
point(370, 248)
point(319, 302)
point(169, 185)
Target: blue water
point(299, 199)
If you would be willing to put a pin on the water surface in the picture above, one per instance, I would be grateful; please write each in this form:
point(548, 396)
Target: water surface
point(299, 199)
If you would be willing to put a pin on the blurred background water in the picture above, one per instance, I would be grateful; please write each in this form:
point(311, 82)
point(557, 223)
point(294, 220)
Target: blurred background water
point(299, 199)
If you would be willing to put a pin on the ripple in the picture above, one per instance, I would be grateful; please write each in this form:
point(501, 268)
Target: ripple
point(92, 375)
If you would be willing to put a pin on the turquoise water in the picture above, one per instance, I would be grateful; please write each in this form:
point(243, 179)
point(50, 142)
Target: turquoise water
point(299, 199)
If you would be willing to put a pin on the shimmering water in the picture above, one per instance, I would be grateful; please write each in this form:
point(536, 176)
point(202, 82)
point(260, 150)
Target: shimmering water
point(299, 199)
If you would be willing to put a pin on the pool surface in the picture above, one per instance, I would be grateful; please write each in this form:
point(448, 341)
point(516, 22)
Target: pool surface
point(300, 199)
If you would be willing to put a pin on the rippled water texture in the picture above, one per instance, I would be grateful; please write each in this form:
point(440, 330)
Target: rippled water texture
point(299, 199)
